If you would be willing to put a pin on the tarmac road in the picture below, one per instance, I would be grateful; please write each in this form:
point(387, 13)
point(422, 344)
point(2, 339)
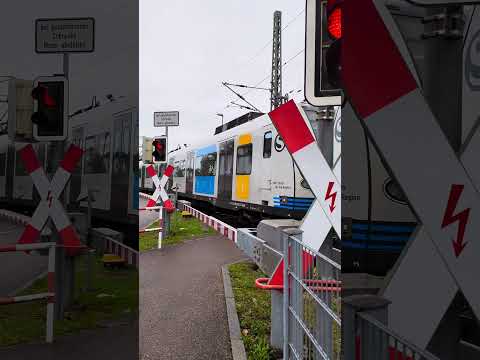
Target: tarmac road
point(182, 302)
point(145, 218)
point(17, 268)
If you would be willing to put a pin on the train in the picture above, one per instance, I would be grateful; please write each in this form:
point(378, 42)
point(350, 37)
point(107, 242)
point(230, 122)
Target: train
point(108, 134)
point(243, 168)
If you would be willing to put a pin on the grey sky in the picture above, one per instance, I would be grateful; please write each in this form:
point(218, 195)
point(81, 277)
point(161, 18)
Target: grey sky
point(187, 48)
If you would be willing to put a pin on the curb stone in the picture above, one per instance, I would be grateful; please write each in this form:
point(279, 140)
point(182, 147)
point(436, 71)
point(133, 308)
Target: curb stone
point(238, 349)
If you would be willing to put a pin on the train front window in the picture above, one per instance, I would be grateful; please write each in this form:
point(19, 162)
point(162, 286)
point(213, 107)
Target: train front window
point(244, 159)
point(267, 145)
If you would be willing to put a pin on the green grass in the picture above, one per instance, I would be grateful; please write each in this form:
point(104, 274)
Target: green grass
point(253, 308)
point(26, 322)
point(180, 229)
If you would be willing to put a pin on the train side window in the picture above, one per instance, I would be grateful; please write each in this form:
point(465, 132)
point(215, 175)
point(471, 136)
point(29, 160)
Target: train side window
point(267, 145)
point(244, 159)
point(205, 165)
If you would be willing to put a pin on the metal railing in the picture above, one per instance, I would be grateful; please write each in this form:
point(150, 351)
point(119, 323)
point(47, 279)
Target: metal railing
point(374, 341)
point(311, 303)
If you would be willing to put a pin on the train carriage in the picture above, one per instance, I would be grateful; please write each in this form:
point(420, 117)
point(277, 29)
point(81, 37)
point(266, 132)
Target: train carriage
point(109, 135)
point(245, 168)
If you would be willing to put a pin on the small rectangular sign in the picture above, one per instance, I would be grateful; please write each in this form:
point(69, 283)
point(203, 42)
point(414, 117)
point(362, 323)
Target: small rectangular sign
point(166, 118)
point(65, 35)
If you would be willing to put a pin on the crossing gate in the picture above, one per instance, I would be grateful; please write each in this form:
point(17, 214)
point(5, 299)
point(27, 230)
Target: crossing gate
point(226, 230)
point(441, 187)
point(49, 295)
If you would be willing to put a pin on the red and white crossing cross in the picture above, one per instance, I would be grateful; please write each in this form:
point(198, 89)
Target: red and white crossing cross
point(160, 188)
point(50, 205)
point(293, 125)
point(384, 91)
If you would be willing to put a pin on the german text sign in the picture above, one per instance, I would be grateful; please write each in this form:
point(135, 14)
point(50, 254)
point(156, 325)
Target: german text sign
point(166, 118)
point(65, 35)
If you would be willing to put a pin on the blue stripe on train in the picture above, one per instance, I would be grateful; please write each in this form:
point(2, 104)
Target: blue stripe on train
point(291, 207)
point(292, 203)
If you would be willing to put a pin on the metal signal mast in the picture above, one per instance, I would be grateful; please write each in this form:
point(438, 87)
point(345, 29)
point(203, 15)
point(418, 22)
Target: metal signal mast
point(276, 97)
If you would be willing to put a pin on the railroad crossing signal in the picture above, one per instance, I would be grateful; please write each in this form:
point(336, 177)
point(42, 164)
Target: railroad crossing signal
point(50, 117)
point(50, 205)
point(159, 150)
point(160, 188)
point(323, 33)
point(441, 189)
point(293, 125)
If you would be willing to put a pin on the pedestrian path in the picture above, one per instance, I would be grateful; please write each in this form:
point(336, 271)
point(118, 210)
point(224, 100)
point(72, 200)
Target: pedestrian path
point(182, 302)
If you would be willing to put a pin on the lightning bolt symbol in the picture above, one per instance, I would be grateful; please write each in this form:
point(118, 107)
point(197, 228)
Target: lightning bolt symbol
point(461, 217)
point(49, 198)
point(331, 195)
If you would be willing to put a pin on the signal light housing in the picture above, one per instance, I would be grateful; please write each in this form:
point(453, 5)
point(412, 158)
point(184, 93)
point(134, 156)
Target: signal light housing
point(159, 150)
point(322, 52)
point(50, 117)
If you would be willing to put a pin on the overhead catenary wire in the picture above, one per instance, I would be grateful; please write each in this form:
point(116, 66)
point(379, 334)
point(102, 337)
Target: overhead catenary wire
point(271, 40)
point(268, 76)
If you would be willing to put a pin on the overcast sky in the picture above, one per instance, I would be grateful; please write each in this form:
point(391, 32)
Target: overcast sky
point(187, 48)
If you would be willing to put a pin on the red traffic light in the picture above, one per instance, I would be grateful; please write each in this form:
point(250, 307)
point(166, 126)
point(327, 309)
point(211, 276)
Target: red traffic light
point(40, 93)
point(334, 14)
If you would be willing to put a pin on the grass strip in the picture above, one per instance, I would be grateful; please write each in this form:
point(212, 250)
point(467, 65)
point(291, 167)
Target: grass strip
point(114, 297)
point(180, 229)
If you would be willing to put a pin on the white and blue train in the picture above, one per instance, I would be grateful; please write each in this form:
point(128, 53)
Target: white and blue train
point(244, 167)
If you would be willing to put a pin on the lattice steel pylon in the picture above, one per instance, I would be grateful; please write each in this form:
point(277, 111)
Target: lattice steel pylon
point(276, 82)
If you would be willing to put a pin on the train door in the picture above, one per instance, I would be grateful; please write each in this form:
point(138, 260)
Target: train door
point(225, 170)
point(266, 187)
point(189, 173)
point(119, 199)
point(76, 178)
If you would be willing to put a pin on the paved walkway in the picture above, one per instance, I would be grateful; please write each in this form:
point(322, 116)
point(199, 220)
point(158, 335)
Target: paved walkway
point(118, 342)
point(182, 303)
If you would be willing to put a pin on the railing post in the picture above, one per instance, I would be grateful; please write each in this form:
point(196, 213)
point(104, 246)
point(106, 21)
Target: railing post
point(292, 295)
point(286, 291)
point(52, 290)
point(373, 305)
point(160, 225)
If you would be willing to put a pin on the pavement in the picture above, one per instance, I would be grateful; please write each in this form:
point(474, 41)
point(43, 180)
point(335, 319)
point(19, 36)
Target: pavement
point(119, 342)
point(145, 218)
point(17, 268)
point(182, 302)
